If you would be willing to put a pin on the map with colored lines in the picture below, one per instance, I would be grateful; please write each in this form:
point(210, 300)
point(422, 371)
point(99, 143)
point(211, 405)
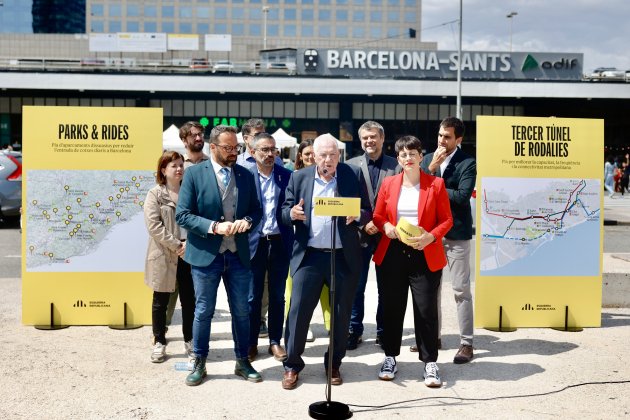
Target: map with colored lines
point(539, 227)
point(86, 221)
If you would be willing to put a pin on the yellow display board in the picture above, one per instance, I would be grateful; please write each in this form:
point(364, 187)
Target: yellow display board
point(539, 230)
point(86, 175)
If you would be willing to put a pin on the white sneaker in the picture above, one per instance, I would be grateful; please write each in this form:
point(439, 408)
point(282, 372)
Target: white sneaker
point(388, 369)
point(158, 355)
point(188, 349)
point(432, 375)
point(310, 337)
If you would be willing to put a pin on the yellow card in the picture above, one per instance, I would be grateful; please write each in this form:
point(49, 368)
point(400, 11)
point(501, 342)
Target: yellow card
point(337, 206)
point(406, 230)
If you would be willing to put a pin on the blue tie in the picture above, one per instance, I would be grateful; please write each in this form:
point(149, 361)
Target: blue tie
point(225, 172)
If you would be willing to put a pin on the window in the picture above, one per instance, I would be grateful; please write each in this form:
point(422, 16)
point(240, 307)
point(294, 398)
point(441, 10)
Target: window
point(290, 14)
point(290, 30)
point(238, 29)
point(150, 11)
point(273, 14)
point(324, 14)
point(324, 31)
point(307, 14)
point(358, 2)
point(273, 30)
point(358, 16)
point(375, 16)
point(115, 10)
point(342, 15)
point(203, 12)
point(358, 32)
point(341, 31)
point(115, 26)
point(238, 13)
point(307, 30)
point(220, 28)
point(255, 29)
point(220, 13)
point(168, 27)
point(150, 27)
point(203, 28)
point(255, 14)
point(132, 10)
point(185, 12)
point(133, 26)
point(392, 16)
point(98, 26)
point(375, 32)
point(97, 10)
point(168, 11)
point(185, 28)
point(393, 2)
point(377, 2)
point(410, 17)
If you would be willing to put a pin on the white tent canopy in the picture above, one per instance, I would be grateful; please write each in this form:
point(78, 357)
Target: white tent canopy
point(283, 139)
point(171, 141)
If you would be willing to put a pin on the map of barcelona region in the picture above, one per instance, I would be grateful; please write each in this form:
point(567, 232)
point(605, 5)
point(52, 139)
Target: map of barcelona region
point(539, 227)
point(86, 221)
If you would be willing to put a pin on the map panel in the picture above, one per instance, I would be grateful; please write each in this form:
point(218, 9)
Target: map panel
point(86, 221)
point(539, 227)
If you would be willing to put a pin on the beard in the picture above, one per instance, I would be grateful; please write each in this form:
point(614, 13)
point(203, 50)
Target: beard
point(196, 147)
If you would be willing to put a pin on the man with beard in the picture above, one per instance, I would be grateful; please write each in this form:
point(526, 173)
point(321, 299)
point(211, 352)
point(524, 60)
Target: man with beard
point(218, 206)
point(191, 134)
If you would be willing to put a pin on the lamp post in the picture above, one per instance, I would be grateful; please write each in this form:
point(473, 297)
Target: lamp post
point(265, 10)
point(511, 17)
point(459, 65)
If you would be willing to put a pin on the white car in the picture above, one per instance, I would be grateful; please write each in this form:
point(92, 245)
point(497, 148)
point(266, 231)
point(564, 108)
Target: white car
point(223, 66)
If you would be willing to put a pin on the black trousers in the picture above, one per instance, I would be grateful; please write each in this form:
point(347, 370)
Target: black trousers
point(405, 268)
point(186, 298)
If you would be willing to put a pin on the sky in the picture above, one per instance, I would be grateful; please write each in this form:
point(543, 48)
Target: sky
point(600, 29)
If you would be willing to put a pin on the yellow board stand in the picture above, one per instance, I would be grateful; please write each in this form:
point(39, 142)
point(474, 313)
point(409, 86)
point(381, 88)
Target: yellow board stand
point(86, 175)
point(539, 239)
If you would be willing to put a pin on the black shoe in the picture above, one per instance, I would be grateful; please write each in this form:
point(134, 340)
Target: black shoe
point(246, 370)
point(354, 341)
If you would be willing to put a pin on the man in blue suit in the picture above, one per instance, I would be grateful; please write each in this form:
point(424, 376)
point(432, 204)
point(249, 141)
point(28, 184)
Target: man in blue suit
point(270, 246)
point(218, 206)
point(311, 256)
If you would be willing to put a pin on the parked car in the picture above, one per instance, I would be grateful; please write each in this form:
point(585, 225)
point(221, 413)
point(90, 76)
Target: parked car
point(10, 183)
point(199, 63)
point(223, 66)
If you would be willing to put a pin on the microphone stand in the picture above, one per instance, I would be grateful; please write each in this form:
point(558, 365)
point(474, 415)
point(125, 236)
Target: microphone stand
point(330, 409)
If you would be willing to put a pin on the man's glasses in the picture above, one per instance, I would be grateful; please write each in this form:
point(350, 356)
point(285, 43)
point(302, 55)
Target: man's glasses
point(229, 149)
point(195, 135)
point(267, 150)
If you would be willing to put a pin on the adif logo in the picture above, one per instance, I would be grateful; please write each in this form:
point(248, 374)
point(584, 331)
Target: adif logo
point(529, 63)
point(79, 304)
point(527, 307)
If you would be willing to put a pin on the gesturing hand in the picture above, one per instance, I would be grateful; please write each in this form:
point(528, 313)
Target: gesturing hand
point(297, 211)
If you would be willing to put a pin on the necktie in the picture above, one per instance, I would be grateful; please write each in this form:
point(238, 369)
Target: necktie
point(225, 172)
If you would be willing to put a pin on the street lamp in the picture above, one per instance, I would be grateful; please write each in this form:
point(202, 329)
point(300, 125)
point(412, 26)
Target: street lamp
point(265, 10)
point(511, 16)
point(459, 64)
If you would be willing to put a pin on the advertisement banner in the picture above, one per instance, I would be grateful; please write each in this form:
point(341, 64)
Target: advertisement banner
point(86, 175)
point(539, 239)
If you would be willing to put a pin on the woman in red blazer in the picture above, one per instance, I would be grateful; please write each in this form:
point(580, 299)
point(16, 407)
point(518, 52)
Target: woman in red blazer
point(422, 200)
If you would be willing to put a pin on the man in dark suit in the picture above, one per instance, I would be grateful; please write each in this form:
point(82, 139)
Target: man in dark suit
point(375, 166)
point(459, 172)
point(311, 252)
point(218, 205)
point(270, 245)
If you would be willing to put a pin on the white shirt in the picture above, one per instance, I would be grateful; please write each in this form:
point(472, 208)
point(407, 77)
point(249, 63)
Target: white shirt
point(321, 235)
point(447, 161)
point(408, 204)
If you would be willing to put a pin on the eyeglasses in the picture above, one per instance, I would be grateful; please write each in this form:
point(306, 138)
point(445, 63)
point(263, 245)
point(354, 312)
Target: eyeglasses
point(411, 155)
point(267, 150)
point(229, 149)
point(194, 135)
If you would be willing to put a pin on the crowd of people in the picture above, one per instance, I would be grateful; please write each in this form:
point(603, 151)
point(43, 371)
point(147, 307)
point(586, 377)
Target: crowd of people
point(248, 221)
point(617, 174)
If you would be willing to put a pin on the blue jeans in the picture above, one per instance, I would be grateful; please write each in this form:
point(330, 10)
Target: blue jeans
point(236, 279)
point(271, 260)
point(358, 305)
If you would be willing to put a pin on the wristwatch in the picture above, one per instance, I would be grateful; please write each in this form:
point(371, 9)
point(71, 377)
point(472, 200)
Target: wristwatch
point(248, 220)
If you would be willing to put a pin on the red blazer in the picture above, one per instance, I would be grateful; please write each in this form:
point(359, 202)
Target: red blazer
point(434, 215)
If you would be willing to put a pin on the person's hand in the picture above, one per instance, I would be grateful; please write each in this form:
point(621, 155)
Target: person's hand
point(181, 250)
point(239, 226)
point(439, 156)
point(350, 219)
point(390, 231)
point(297, 211)
point(224, 228)
point(370, 228)
point(419, 242)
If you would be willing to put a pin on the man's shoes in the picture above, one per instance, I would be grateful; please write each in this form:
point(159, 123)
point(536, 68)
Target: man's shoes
point(278, 352)
point(388, 369)
point(310, 337)
point(252, 353)
point(289, 379)
point(158, 355)
point(244, 368)
point(414, 348)
point(432, 375)
point(198, 372)
point(353, 341)
point(335, 376)
point(464, 354)
point(263, 332)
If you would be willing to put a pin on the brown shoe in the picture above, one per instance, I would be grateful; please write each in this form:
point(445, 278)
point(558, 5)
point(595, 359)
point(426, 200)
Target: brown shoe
point(252, 353)
point(464, 354)
point(278, 352)
point(335, 378)
point(289, 379)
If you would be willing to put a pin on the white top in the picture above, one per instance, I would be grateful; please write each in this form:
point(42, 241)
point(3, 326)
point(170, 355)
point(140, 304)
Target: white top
point(408, 204)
